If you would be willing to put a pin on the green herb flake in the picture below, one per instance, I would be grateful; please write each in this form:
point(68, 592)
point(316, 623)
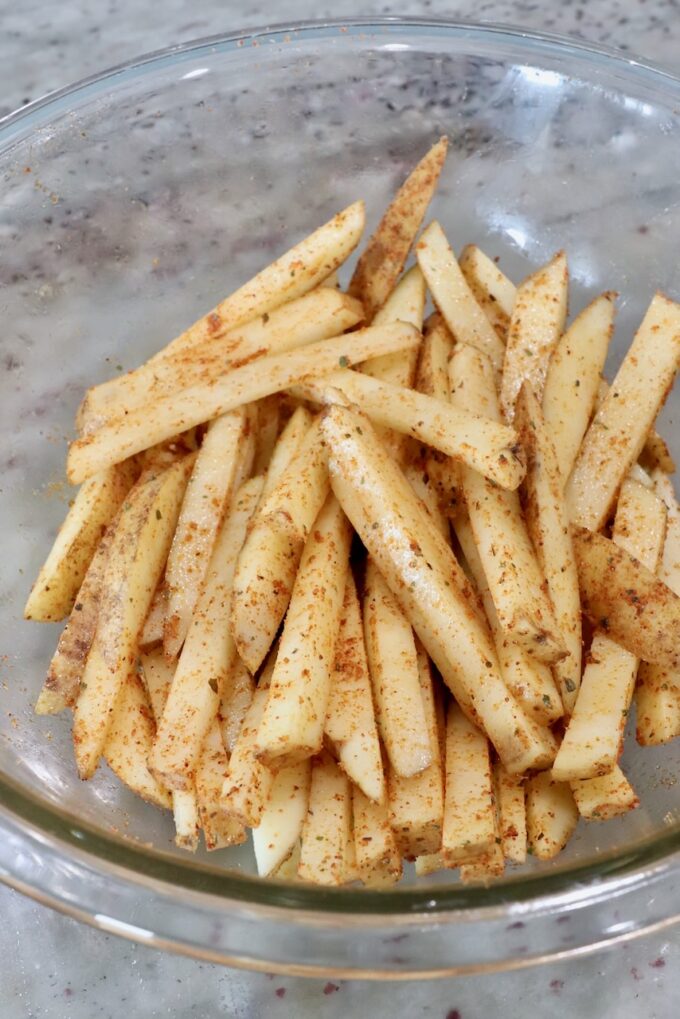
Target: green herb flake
point(343, 361)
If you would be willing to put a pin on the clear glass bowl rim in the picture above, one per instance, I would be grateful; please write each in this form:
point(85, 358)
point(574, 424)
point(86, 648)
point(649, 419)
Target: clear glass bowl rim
point(43, 824)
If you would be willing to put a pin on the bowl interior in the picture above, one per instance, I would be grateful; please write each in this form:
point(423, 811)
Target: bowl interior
point(132, 205)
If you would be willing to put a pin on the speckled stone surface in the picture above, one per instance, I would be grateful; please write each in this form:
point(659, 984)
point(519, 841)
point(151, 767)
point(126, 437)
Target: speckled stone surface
point(53, 967)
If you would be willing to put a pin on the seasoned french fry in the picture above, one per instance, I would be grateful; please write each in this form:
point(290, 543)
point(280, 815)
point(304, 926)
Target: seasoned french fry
point(317, 316)
point(516, 581)
point(416, 804)
point(327, 827)
point(236, 696)
point(129, 742)
point(152, 631)
point(350, 717)
point(220, 828)
point(573, 378)
point(453, 297)
point(512, 820)
point(395, 678)
point(484, 869)
point(61, 686)
point(124, 435)
point(267, 419)
point(469, 828)
point(227, 451)
point(433, 365)
point(288, 870)
point(286, 447)
point(432, 863)
point(594, 737)
point(269, 560)
point(420, 481)
point(95, 506)
point(207, 655)
point(486, 445)
point(599, 799)
point(136, 558)
point(656, 454)
point(382, 262)
point(422, 572)
point(282, 817)
point(617, 434)
point(248, 781)
point(493, 291)
point(293, 721)
point(536, 325)
point(545, 514)
point(528, 680)
point(552, 815)
point(377, 856)
point(157, 673)
point(406, 303)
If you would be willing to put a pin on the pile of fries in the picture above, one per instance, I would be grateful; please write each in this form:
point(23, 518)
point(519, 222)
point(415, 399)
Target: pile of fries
point(327, 572)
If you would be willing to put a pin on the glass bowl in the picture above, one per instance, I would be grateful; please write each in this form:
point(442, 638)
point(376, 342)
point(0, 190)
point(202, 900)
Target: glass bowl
point(132, 203)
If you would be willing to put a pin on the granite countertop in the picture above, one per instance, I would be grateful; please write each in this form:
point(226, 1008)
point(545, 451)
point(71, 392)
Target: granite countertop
point(52, 966)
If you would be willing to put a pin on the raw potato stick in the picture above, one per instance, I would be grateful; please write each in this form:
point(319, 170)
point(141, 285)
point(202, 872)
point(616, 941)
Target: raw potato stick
point(453, 297)
point(552, 815)
point(220, 829)
point(227, 450)
point(350, 717)
point(382, 262)
point(267, 418)
point(129, 742)
point(469, 813)
point(536, 325)
point(395, 678)
point(136, 559)
point(599, 799)
point(293, 722)
point(377, 855)
point(152, 631)
point(317, 316)
point(655, 452)
point(248, 781)
point(433, 379)
point(236, 696)
point(122, 436)
point(547, 521)
point(594, 737)
point(286, 447)
point(327, 827)
point(573, 379)
point(418, 477)
point(516, 581)
point(512, 819)
point(207, 655)
point(617, 434)
point(282, 818)
point(423, 574)
point(95, 506)
point(493, 291)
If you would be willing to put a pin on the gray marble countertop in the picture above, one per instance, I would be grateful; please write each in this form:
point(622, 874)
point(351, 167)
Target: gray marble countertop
point(51, 966)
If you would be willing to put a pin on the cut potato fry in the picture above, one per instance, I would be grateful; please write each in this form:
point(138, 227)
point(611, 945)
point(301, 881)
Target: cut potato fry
point(382, 262)
point(658, 705)
point(61, 686)
point(293, 722)
point(395, 678)
point(327, 828)
point(493, 291)
point(552, 815)
point(617, 434)
point(350, 717)
point(152, 631)
point(286, 447)
point(416, 804)
point(377, 856)
point(594, 737)
point(227, 451)
point(269, 560)
point(486, 445)
point(528, 680)
point(517, 584)
point(122, 436)
point(220, 828)
point(267, 418)
point(423, 574)
point(136, 559)
point(248, 781)
point(207, 655)
point(599, 799)
point(536, 325)
point(512, 819)
point(430, 864)
point(453, 297)
point(433, 365)
point(469, 828)
point(573, 379)
point(418, 477)
point(315, 317)
point(282, 817)
point(236, 696)
point(547, 521)
point(95, 506)
point(656, 454)
point(129, 742)
point(484, 869)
